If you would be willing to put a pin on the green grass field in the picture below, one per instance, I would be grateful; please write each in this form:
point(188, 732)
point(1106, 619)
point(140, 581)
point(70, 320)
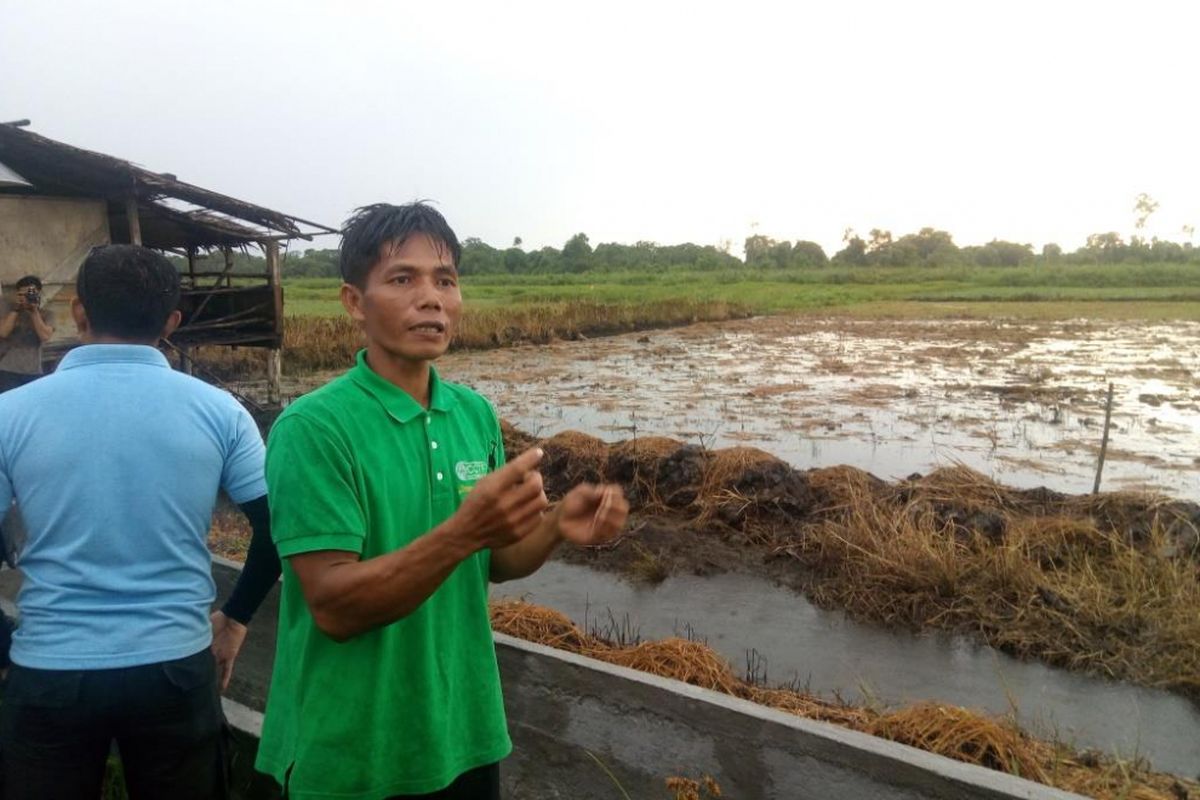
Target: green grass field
point(1152, 291)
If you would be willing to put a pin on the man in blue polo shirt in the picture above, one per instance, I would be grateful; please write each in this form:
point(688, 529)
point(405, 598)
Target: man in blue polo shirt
point(115, 461)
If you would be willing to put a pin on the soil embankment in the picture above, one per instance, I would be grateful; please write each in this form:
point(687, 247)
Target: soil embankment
point(1105, 583)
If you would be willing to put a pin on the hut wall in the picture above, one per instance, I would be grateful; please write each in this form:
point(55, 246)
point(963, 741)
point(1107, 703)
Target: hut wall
point(49, 237)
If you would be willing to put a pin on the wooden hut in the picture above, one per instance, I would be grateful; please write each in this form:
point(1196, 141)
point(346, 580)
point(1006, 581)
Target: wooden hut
point(58, 201)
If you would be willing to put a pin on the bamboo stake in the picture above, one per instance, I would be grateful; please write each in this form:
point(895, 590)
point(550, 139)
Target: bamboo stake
point(1104, 440)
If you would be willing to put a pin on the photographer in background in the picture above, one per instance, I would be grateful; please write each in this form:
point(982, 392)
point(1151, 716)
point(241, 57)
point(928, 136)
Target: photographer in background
point(24, 327)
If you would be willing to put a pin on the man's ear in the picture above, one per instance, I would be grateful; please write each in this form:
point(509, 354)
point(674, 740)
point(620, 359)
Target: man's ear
point(81, 321)
point(172, 324)
point(352, 298)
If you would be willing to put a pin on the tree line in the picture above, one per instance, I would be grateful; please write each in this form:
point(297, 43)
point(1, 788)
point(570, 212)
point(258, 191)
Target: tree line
point(927, 247)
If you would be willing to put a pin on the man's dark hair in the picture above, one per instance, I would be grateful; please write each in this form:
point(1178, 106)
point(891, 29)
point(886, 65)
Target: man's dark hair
point(372, 227)
point(127, 291)
point(29, 280)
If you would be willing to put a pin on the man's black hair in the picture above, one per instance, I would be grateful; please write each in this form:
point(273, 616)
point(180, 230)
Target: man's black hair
point(372, 227)
point(127, 291)
point(29, 280)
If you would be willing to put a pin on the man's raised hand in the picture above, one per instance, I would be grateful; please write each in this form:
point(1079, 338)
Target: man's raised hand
point(506, 505)
point(592, 514)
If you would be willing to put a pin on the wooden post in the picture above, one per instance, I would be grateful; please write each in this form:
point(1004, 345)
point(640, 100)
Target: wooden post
point(274, 375)
point(275, 357)
point(191, 259)
point(228, 251)
point(135, 222)
point(1104, 440)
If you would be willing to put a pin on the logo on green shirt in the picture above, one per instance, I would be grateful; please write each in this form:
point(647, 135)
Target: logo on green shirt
point(470, 470)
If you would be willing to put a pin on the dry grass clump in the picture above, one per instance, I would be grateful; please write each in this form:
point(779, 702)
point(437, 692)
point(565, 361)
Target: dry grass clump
point(544, 626)
point(572, 458)
point(754, 493)
point(835, 488)
point(637, 464)
point(957, 551)
point(682, 660)
point(684, 788)
point(965, 736)
point(951, 731)
point(724, 472)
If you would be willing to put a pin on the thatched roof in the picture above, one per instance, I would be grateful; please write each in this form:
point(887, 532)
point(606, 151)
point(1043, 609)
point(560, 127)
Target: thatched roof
point(214, 219)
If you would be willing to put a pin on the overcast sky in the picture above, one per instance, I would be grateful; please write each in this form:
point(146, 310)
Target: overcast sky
point(1031, 121)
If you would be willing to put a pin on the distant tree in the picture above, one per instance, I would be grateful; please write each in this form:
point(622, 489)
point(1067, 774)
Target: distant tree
point(517, 241)
point(997, 253)
point(781, 255)
point(927, 247)
point(577, 253)
point(479, 258)
point(758, 249)
point(854, 253)
point(1051, 252)
point(879, 240)
point(309, 264)
point(515, 261)
point(544, 261)
point(1107, 247)
point(808, 254)
point(1169, 252)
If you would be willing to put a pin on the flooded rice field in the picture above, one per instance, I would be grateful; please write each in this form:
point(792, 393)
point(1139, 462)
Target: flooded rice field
point(1022, 402)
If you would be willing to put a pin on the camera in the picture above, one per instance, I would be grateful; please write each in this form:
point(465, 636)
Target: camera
point(32, 295)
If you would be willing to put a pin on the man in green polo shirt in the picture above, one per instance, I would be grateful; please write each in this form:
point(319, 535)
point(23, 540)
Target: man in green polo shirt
point(392, 507)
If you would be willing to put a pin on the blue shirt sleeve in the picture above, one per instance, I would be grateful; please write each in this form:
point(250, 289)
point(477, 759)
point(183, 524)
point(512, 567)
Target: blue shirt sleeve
point(243, 477)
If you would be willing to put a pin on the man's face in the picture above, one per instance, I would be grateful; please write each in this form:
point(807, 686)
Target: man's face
point(27, 294)
point(411, 304)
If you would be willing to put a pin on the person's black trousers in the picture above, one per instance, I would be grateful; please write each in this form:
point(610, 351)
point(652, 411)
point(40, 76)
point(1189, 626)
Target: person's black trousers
point(481, 783)
point(57, 728)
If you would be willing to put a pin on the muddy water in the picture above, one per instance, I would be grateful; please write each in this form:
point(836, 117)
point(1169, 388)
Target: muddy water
point(1022, 402)
point(737, 613)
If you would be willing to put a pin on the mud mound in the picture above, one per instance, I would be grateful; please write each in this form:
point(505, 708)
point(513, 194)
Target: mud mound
point(1144, 521)
point(839, 488)
point(753, 492)
point(572, 458)
point(637, 463)
point(964, 736)
point(680, 475)
point(516, 441)
point(1056, 541)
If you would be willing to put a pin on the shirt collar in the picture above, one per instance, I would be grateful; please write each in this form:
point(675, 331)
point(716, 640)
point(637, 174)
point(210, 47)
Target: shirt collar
point(399, 403)
point(88, 354)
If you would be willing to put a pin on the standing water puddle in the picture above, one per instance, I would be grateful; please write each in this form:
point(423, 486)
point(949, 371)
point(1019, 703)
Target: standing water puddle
point(737, 613)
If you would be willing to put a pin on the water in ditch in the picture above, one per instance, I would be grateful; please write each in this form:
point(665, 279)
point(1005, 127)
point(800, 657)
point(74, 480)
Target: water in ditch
point(833, 655)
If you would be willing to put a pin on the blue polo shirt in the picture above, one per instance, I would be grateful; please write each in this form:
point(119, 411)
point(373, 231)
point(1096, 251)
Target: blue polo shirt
point(115, 461)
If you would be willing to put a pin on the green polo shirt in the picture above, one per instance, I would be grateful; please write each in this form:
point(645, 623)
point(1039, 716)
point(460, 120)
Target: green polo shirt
point(359, 465)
